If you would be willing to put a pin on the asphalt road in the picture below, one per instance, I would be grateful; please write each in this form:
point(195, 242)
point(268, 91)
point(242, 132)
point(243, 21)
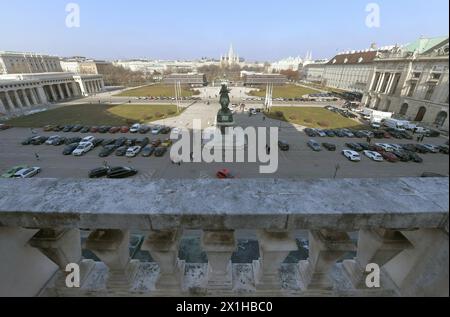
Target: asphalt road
point(299, 162)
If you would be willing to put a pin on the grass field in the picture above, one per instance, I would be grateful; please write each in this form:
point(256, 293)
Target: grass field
point(312, 117)
point(288, 91)
point(158, 91)
point(96, 115)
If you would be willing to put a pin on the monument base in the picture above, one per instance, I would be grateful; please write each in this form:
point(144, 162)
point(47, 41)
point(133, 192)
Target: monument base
point(213, 138)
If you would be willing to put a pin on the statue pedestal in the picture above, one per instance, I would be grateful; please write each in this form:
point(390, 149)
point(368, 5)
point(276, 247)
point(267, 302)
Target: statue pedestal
point(216, 138)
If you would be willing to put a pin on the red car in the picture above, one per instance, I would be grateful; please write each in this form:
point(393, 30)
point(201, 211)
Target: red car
point(114, 130)
point(94, 130)
point(387, 135)
point(224, 174)
point(124, 129)
point(390, 157)
point(4, 127)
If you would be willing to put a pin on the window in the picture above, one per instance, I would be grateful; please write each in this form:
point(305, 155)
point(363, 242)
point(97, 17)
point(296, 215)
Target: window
point(435, 76)
point(411, 90)
point(430, 92)
point(416, 75)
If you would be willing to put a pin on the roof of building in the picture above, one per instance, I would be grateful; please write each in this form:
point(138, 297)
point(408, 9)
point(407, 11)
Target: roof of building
point(363, 57)
point(423, 44)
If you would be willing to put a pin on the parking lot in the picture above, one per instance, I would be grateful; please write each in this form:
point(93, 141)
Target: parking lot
point(299, 162)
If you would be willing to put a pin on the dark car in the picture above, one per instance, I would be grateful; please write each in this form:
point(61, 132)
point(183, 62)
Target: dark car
point(114, 130)
point(433, 134)
point(310, 132)
point(98, 172)
point(359, 134)
point(406, 135)
point(108, 142)
point(156, 143)
point(77, 128)
point(409, 147)
point(388, 156)
point(70, 148)
point(97, 142)
point(422, 149)
point(39, 140)
point(404, 157)
point(330, 133)
point(58, 128)
point(27, 141)
point(73, 140)
point(283, 146)
point(85, 130)
point(148, 151)
point(121, 172)
point(339, 133)
point(121, 151)
point(104, 129)
point(59, 141)
point(329, 146)
point(378, 134)
point(107, 150)
point(443, 149)
point(143, 142)
point(166, 130)
point(67, 128)
point(159, 152)
point(131, 142)
point(144, 129)
point(120, 142)
point(414, 157)
point(355, 147)
point(431, 174)
point(364, 146)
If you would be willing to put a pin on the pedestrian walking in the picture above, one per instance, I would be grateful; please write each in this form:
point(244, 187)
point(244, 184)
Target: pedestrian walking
point(264, 118)
point(37, 156)
point(418, 139)
point(192, 156)
point(423, 138)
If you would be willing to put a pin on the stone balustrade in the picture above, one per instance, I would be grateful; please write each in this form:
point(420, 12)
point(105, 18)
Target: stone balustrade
point(399, 224)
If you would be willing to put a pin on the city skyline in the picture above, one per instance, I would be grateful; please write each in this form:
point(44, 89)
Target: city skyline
point(200, 29)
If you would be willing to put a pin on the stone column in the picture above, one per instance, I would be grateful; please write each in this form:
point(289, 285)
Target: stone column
point(53, 93)
point(9, 101)
point(374, 246)
point(274, 247)
point(25, 98)
point(60, 91)
point(112, 247)
point(66, 88)
point(33, 96)
point(325, 249)
point(62, 247)
point(75, 89)
point(219, 247)
point(18, 101)
point(2, 107)
point(380, 83)
point(163, 247)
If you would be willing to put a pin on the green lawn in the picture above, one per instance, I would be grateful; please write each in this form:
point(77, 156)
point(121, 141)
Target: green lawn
point(158, 91)
point(312, 117)
point(287, 91)
point(95, 114)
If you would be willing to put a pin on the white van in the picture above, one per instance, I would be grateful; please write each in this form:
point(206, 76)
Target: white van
point(395, 124)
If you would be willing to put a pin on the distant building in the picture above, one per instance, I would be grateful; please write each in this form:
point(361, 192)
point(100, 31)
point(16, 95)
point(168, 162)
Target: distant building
point(413, 82)
point(314, 71)
point(28, 63)
point(255, 79)
point(290, 63)
point(82, 65)
point(229, 59)
point(193, 80)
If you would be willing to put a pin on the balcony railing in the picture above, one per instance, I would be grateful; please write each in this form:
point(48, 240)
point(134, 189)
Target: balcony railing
point(401, 225)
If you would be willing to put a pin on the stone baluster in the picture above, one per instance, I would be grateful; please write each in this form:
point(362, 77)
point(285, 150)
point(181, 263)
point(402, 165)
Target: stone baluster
point(219, 247)
point(325, 249)
point(374, 246)
point(163, 247)
point(274, 247)
point(63, 247)
point(112, 248)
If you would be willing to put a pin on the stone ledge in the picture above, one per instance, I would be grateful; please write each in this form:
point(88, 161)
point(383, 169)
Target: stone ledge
point(344, 204)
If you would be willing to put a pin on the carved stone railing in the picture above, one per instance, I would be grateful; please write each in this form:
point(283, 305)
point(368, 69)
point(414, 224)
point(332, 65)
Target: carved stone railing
point(401, 225)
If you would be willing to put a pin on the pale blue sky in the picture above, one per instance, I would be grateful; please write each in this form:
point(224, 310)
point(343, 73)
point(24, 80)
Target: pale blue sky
point(259, 29)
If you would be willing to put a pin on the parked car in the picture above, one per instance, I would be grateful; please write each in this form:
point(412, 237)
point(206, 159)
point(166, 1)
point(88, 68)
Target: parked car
point(88, 139)
point(55, 140)
point(402, 156)
point(320, 133)
point(433, 133)
point(83, 148)
point(68, 150)
point(85, 130)
point(48, 128)
point(310, 132)
point(374, 156)
point(107, 150)
point(431, 174)
point(330, 133)
point(351, 155)
point(67, 128)
point(175, 134)
point(39, 140)
point(108, 142)
point(156, 130)
point(160, 151)
point(124, 129)
point(396, 147)
point(104, 129)
point(114, 130)
point(73, 140)
point(166, 130)
point(388, 156)
point(76, 128)
point(121, 151)
point(121, 172)
point(432, 148)
point(98, 172)
point(120, 142)
point(314, 146)
point(133, 151)
point(348, 133)
point(135, 128)
point(339, 133)
point(4, 126)
point(443, 149)
point(27, 172)
point(283, 146)
point(414, 157)
point(329, 146)
point(147, 151)
point(167, 143)
point(131, 142)
point(156, 143)
point(385, 147)
point(97, 142)
point(224, 174)
point(420, 148)
point(144, 129)
point(28, 140)
point(354, 146)
point(143, 142)
point(12, 171)
point(94, 129)
point(365, 146)
point(409, 147)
